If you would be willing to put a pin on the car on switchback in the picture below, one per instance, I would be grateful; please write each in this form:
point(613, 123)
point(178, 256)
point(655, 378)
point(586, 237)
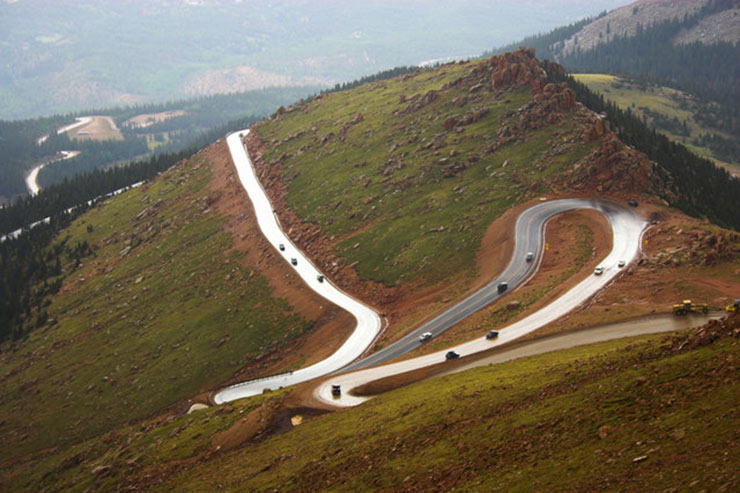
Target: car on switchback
point(451, 355)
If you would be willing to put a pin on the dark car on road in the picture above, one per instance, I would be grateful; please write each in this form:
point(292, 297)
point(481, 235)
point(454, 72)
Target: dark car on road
point(492, 335)
point(336, 390)
point(294, 261)
point(451, 355)
point(502, 286)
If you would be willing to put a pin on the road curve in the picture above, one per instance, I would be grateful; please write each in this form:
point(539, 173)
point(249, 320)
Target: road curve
point(627, 228)
point(368, 321)
point(79, 121)
point(31, 179)
point(528, 238)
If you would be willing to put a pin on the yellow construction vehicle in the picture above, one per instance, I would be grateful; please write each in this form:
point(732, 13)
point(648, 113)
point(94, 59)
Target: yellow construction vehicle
point(688, 307)
point(735, 307)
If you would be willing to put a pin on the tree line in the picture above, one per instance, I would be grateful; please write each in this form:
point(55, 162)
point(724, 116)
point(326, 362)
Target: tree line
point(19, 150)
point(34, 263)
point(700, 187)
point(708, 71)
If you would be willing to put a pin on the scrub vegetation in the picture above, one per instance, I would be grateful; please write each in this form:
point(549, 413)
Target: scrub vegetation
point(674, 113)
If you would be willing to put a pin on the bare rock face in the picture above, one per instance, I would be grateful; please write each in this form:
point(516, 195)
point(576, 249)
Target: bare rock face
point(519, 68)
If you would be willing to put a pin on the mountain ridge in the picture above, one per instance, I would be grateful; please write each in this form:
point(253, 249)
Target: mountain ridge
point(423, 140)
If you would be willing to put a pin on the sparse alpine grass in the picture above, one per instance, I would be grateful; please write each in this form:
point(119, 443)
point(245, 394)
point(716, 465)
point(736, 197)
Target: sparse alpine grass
point(670, 111)
point(162, 309)
point(633, 413)
point(407, 192)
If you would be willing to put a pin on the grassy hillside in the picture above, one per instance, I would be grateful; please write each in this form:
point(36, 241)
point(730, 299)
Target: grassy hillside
point(161, 308)
point(646, 413)
point(669, 111)
point(406, 175)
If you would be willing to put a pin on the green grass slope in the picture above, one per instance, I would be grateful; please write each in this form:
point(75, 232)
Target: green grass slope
point(648, 413)
point(404, 176)
point(162, 308)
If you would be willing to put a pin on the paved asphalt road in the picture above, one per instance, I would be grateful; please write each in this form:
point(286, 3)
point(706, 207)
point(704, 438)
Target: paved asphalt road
point(648, 325)
point(528, 234)
point(627, 228)
point(626, 225)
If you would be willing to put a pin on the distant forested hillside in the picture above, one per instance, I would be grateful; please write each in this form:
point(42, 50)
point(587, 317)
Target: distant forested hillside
point(20, 150)
point(710, 72)
point(698, 187)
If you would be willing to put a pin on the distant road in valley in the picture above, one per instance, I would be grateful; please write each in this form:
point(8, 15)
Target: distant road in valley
point(32, 177)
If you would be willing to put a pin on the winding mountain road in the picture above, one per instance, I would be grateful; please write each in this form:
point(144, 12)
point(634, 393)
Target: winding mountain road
point(627, 228)
point(31, 178)
point(529, 238)
point(368, 321)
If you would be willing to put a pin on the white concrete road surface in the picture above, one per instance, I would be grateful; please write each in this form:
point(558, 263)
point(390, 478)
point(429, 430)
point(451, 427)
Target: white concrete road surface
point(627, 228)
point(648, 325)
point(31, 179)
point(528, 234)
point(79, 121)
point(368, 321)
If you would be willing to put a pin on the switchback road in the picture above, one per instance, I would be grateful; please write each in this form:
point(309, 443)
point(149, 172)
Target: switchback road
point(627, 229)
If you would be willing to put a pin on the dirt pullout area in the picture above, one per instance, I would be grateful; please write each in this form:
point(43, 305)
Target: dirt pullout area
point(682, 258)
point(99, 128)
point(149, 119)
point(333, 325)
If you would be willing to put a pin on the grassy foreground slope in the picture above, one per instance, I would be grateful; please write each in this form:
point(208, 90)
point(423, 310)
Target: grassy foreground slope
point(649, 413)
point(402, 177)
point(162, 307)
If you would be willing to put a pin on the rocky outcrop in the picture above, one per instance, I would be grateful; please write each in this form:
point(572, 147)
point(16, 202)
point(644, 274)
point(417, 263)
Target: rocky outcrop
point(706, 334)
